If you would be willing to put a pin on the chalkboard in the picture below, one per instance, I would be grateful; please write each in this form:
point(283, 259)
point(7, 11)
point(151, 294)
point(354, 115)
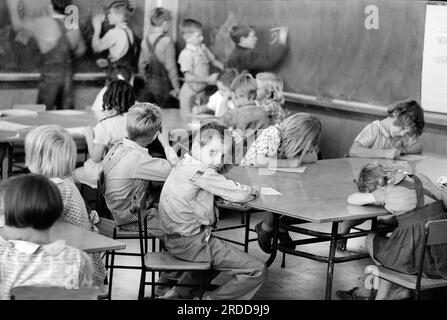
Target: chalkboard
point(16, 57)
point(332, 54)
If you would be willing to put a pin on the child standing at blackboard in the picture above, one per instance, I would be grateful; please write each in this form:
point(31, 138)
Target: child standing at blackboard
point(195, 62)
point(246, 57)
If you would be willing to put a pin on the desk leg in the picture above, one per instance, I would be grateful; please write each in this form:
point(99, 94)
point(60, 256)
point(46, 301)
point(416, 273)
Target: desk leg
point(5, 158)
point(330, 266)
point(275, 240)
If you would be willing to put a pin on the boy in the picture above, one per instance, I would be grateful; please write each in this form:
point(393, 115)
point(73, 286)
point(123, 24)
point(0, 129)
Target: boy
point(245, 57)
point(195, 62)
point(128, 167)
point(57, 46)
point(118, 41)
point(188, 213)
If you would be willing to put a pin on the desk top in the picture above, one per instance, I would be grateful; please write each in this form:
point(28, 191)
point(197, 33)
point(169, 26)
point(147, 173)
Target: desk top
point(320, 193)
point(82, 239)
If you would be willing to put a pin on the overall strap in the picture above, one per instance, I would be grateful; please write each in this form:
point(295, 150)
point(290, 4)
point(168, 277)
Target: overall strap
point(154, 46)
point(420, 191)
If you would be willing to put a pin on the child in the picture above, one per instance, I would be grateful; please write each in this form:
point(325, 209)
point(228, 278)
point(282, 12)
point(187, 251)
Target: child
point(128, 167)
point(220, 102)
point(394, 136)
point(157, 61)
point(117, 73)
point(195, 62)
point(247, 114)
point(270, 96)
point(51, 151)
point(188, 213)
point(118, 98)
point(286, 145)
point(31, 205)
point(118, 41)
point(245, 57)
point(412, 200)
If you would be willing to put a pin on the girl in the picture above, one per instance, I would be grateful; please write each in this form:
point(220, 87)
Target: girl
point(118, 98)
point(51, 152)
point(31, 205)
point(288, 144)
point(270, 96)
point(412, 200)
point(394, 136)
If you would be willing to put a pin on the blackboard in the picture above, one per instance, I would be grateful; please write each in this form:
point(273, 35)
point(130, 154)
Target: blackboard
point(332, 54)
point(16, 57)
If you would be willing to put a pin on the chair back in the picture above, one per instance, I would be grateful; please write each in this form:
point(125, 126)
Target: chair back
point(437, 232)
point(107, 227)
point(53, 293)
point(103, 211)
point(31, 107)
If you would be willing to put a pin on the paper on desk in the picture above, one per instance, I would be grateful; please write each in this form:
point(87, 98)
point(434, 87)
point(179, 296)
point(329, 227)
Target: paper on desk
point(17, 113)
point(76, 131)
point(290, 170)
point(413, 157)
point(266, 191)
point(67, 112)
point(12, 126)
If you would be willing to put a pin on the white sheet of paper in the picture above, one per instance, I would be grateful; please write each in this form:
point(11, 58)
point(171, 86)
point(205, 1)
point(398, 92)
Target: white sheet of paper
point(412, 157)
point(290, 170)
point(266, 191)
point(76, 131)
point(67, 112)
point(12, 126)
point(17, 113)
point(279, 35)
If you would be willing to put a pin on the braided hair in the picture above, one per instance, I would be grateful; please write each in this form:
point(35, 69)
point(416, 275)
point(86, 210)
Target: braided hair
point(119, 96)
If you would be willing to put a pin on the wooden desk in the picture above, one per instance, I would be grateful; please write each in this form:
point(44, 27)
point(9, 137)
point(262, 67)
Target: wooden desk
point(87, 241)
point(319, 195)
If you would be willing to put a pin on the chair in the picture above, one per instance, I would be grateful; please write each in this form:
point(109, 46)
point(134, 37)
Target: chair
point(31, 107)
point(435, 234)
point(163, 261)
point(53, 293)
point(108, 227)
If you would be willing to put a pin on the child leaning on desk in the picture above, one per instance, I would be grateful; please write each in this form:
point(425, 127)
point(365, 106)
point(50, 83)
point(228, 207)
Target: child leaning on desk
point(195, 62)
point(285, 145)
point(412, 200)
point(396, 135)
point(51, 151)
point(31, 204)
point(117, 100)
point(188, 215)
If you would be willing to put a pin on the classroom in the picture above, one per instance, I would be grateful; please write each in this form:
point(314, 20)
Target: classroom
point(256, 150)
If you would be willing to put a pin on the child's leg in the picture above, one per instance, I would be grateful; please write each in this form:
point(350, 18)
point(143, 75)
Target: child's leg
point(186, 97)
point(384, 289)
point(345, 228)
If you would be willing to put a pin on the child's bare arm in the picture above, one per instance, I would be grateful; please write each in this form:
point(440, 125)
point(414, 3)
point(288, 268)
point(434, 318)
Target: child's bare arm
point(357, 150)
point(310, 157)
point(191, 77)
point(361, 199)
point(213, 60)
point(96, 151)
point(415, 148)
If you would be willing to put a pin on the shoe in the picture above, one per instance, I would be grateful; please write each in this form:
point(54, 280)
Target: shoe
point(171, 294)
point(264, 238)
point(286, 241)
point(350, 295)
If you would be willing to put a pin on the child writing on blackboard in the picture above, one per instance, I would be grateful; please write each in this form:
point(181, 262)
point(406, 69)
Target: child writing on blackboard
point(247, 57)
point(288, 144)
point(412, 200)
point(396, 135)
point(195, 62)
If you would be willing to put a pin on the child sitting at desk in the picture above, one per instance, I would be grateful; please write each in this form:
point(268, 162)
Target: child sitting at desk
point(31, 204)
point(270, 96)
point(195, 62)
point(188, 214)
point(396, 135)
point(51, 152)
point(412, 200)
point(118, 98)
point(286, 145)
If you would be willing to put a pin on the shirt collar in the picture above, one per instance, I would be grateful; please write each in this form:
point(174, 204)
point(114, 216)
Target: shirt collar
point(121, 25)
point(194, 48)
point(29, 248)
point(133, 144)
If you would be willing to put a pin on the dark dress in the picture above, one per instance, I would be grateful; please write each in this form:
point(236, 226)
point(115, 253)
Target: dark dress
point(402, 250)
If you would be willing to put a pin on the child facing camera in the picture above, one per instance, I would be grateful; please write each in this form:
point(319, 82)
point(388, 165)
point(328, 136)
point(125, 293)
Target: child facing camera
point(31, 204)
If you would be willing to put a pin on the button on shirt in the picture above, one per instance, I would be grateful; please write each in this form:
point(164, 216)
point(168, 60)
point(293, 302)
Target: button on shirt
point(128, 168)
point(187, 199)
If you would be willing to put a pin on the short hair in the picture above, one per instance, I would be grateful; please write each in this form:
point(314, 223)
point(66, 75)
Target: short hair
point(245, 86)
point(409, 114)
point(50, 151)
point(190, 26)
point(299, 132)
point(119, 96)
point(227, 76)
point(60, 5)
point(119, 72)
point(273, 84)
point(144, 120)
point(159, 16)
point(121, 7)
point(30, 201)
point(371, 177)
point(239, 31)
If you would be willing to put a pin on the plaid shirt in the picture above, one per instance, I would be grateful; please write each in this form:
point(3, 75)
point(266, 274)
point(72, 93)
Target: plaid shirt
point(274, 110)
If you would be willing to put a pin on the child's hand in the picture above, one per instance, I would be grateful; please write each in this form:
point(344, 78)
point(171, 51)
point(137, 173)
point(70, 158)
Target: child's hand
point(163, 137)
point(392, 153)
point(175, 93)
point(212, 79)
point(98, 20)
point(236, 136)
point(442, 181)
point(172, 157)
point(256, 191)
